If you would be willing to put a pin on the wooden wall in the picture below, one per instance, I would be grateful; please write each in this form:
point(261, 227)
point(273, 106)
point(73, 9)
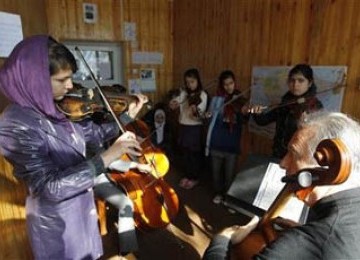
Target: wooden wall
point(153, 19)
point(238, 34)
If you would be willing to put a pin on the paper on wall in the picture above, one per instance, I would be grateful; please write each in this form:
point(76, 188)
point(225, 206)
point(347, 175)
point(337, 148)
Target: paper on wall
point(10, 32)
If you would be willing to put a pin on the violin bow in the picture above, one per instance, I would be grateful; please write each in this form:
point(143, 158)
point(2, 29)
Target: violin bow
point(235, 97)
point(302, 99)
point(97, 86)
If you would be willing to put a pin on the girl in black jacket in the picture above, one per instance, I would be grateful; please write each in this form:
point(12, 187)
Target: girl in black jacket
point(299, 99)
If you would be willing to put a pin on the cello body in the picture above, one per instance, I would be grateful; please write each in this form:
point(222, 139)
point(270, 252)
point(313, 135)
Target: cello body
point(156, 204)
point(249, 247)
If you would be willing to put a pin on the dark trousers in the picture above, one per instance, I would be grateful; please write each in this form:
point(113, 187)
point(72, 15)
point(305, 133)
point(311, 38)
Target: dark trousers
point(192, 161)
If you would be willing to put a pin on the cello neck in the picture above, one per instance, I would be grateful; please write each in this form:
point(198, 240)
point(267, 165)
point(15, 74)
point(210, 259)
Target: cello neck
point(274, 211)
point(279, 203)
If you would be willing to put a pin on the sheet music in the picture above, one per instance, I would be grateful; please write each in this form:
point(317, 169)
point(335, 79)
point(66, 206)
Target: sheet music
point(270, 187)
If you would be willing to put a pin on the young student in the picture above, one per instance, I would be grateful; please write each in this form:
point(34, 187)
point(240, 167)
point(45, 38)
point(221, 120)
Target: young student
point(48, 151)
point(160, 133)
point(224, 132)
point(332, 230)
point(299, 99)
point(192, 102)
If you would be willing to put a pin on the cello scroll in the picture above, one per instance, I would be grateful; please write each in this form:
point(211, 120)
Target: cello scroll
point(332, 156)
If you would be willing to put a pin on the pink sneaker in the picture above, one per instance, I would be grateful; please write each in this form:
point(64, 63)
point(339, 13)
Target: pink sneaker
point(191, 184)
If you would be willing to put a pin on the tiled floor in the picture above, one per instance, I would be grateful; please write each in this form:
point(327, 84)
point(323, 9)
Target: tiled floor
point(189, 233)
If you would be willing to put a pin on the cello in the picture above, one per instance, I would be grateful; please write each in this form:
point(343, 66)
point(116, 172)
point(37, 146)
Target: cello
point(155, 202)
point(332, 155)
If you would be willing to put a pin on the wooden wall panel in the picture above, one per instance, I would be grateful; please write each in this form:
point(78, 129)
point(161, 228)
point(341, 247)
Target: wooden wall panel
point(14, 242)
point(239, 34)
point(153, 19)
point(153, 27)
point(65, 20)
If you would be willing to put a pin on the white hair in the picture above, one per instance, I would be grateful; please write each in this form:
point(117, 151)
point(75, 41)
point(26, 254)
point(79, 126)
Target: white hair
point(330, 125)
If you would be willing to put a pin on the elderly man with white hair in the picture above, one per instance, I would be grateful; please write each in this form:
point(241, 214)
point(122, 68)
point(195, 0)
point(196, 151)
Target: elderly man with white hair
point(332, 230)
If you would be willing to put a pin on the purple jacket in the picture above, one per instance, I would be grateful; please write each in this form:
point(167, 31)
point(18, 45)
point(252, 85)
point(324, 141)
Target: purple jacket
point(48, 152)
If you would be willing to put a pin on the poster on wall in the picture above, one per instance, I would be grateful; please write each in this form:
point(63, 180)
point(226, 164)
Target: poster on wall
point(134, 86)
point(147, 80)
point(10, 32)
point(145, 57)
point(129, 31)
point(269, 84)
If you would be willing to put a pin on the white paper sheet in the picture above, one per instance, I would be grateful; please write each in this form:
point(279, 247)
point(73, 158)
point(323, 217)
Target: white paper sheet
point(10, 32)
point(270, 187)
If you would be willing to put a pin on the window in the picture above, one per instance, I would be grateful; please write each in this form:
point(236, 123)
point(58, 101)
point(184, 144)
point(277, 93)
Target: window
point(104, 59)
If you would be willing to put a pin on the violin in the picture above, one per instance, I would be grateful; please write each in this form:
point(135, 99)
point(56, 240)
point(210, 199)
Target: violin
point(232, 103)
point(332, 155)
point(304, 105)
point(193, 98)
point(81, 102)
point(235, 101)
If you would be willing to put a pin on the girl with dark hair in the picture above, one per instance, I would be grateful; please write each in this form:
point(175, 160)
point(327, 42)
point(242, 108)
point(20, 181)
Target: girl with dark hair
point(192, 102)
point(224, 133)
point(299, 99)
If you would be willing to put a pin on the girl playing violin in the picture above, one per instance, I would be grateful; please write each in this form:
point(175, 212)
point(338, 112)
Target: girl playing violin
point(300, 98)
point(224, 133)
point(192, 102)
point(48, 151)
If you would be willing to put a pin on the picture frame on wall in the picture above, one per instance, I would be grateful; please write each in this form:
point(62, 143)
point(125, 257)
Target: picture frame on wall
point(90, 12)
